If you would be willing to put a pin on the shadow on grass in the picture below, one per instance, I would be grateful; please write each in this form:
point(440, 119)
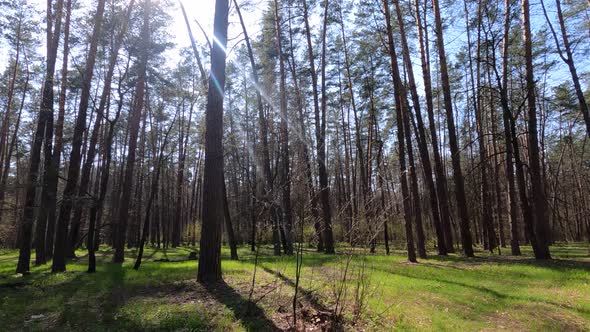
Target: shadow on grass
point(557, 264)
point(323, 312)
point(250, 314)
point(309, 295)
point(485, 290)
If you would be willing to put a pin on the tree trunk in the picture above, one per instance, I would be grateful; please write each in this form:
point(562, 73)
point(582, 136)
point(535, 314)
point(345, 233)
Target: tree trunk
point(209, 269)
point(134, 119)
point(466, 240)
point(321, 146)
point(153, 191)
point(541, 225)
point(53, 172)
point(421, 135)
point(284, 129)
point(69, 195)
point(506, 114)
point(401, 105)
point(229, 229)
point(441, 180)
point(45, 113)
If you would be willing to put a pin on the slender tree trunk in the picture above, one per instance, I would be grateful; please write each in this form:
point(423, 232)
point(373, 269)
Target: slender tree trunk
point(441, 180)
point(263, 123)
point(506, 114)
point(284, 129)
point(5, 154)
point(53, 171)
point(134, 119)
point(321, 146)
point(478, 107)
point(92, 147)
point(69, 195)
point(153, 191)
point(12, 145)
point(96, 205)
point(421, 135)
point(305, 147)
point(466, 239)
point(229, 229)
point(46, 112)
point(541, 225)
point(10, 94)
point(399, 91)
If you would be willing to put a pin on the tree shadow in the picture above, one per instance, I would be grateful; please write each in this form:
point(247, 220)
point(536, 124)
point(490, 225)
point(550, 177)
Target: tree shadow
point(251, 315)
point(485, 290)
point(323, 312)
point(556, 264)
point(310, 296)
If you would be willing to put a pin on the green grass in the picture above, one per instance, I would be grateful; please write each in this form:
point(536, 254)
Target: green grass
point(440, 293)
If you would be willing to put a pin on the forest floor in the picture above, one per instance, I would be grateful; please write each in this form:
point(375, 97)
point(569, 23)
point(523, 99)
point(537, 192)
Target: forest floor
point(376, 292)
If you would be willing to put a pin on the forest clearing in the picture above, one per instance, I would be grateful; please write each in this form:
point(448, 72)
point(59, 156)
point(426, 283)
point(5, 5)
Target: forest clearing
point(294, 165)
point(487, 293)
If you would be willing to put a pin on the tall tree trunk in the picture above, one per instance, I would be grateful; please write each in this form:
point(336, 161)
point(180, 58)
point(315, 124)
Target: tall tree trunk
point(92, 147)
point(304, 146)
point(478, 107)
point(45, 113)
point(321, 146)
point(92, 225)
point(421, 135)
point(541, 225)
point(506, 114)
point(69, 195)
point(12, 144)
point(52, 174)
point(284, 129)
point(401, 105)
point(134, 119)
point(466, 240)
point(209, 269)
point(440, 175)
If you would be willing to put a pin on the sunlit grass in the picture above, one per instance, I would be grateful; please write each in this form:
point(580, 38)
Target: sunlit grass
point(441, 293)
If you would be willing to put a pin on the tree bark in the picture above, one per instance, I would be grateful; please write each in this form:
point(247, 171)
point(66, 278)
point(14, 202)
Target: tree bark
point(421, 135)
point(541, 225)
point(466, 239)
point(53, 171)
point(61, 242)
point(284, 129)
point(506, 114)
point(399, 91)
point(441, 179)
point(321, 146)
point(45, 113)
point(134, 119)
point(209, 269)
